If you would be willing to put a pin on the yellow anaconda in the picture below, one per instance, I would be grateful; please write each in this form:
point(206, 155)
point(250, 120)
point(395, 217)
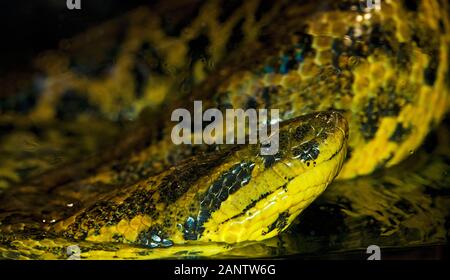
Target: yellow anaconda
point(375, 79)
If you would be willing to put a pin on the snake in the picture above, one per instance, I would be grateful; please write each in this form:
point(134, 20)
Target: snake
point(358, 87)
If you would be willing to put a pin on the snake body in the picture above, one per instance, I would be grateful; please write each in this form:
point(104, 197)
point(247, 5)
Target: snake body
point(342, 74)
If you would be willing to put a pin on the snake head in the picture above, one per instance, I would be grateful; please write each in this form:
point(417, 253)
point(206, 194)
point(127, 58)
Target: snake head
point(268, 192)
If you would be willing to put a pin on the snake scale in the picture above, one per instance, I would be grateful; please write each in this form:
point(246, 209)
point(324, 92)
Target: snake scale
point(358, 89)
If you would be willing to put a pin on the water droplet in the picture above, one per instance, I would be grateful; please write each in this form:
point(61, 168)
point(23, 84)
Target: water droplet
point(156, 238)
point(166, 243)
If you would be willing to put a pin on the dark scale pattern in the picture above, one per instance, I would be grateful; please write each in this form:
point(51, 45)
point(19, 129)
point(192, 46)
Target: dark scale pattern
point(381, 38)
point(292, 56)
point(307, 151)
point(279, 224)
point(388, 102)
point(427, 41)
point(108, 213)
point(404, 56)
point(400, 133)
point(362, 45)
point(270, 160)
point(177, 183)
point(154, 237)
point(369, 120)
point(301, 131)
point(228, 183)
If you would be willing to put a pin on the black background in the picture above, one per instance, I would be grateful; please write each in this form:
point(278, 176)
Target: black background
point(30, 26)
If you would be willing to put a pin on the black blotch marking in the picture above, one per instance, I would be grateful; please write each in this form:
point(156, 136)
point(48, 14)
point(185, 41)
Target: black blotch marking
point(270, 160)
point(263, 7)
point(301, 131)
point(279, 224)
point(73, 103)
point(370, 120)
point(147, 60)
point(349, 154)
point(404, 56)
point(400, 133)
point(251, 103)
point(237, 35)
point(426, 39)
point(411, 5)
point(388, 103)
point(430, 73)
point(228, 183)
point(173, 25)
point(405, 206)
point(228, 8)
point(295, 54)
point(198, 47)
point(307, 151)
point(380, 38)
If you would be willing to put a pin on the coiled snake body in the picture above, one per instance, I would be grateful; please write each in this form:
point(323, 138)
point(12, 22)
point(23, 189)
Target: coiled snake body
point(357, 88)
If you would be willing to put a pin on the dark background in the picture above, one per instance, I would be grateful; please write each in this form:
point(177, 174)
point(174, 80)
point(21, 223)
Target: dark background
point(30, 26)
